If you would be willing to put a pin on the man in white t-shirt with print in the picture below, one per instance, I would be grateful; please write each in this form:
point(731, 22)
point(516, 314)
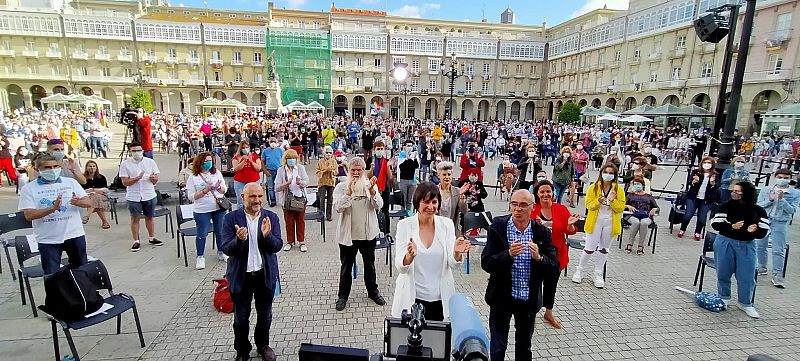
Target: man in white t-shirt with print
point(53, 205)
point(140, 175)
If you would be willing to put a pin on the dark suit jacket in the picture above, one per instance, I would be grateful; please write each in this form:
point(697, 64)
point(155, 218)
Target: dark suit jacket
point(497, 262)
point(238, 250)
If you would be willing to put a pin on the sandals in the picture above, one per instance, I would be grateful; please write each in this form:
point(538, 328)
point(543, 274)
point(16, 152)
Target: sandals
point(105, 225)
point(85, 219)
point(629, 248)
point(639, 250)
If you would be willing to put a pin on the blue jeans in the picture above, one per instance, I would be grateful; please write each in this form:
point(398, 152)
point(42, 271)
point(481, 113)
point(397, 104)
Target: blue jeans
point(702, 207)
point(51, 254)
point(559, 190)
point(97, 146)
point(203, 222)
point(777, 233)
point(271, 186)
point(739, 258)
point(148, 154)
point(238, 187)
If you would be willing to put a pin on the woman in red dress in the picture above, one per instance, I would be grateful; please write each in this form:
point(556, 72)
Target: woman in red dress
point(561, 223)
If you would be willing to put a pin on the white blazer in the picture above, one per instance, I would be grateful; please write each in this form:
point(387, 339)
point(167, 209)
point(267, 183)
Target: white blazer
point(405, 292)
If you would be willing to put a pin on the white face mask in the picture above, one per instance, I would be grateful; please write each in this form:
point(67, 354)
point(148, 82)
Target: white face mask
point(738, 164)
point(706, 166)
point(531, 154)
point(137, 155)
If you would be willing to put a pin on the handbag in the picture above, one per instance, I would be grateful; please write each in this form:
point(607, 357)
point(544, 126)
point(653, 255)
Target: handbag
point(71, 294)
point(222, 296)
point(294, 203)
point(222, 202)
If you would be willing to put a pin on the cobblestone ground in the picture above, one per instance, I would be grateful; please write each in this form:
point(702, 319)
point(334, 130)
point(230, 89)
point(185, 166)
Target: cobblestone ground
point(639, 315)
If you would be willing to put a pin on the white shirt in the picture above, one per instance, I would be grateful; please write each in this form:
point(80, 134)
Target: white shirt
point(62, 224)
point(701, 193)
point(143, 190)
point(428, 271)
point(292, 175)
point(254, 261)
point(196, 183)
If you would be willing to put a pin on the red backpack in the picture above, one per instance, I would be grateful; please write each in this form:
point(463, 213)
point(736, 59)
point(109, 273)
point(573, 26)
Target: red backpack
point(222, 296)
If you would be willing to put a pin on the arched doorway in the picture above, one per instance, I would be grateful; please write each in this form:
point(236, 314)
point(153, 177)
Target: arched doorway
point(501, 110)
point(515, 108)
point(240, 97)
point(62, 90)
point(37, 93)
point(431, 105)
point(550, 110)
point(559, 105)
point(340, 105)
point(396, 105)
point(359, 107)
point(413, 107)
point(483, 110)
point(110, 95)
point(702, 100)
point(530, 108)
point(582, 103)
point(195, 96)
point(450, 107)
point(630, 103)
point(763, 102)
point(672, 99)
point(467, 109)
point(259, 99)
point(649, 100)
point(596, 103)
point(87, 91)
point(16, 99)
point(175, 99)
point(611, 103)
point(126, 97)
point(157, 100)
point(220, 95)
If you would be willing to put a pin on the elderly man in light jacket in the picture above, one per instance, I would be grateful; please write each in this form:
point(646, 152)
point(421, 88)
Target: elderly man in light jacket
point(357, 200)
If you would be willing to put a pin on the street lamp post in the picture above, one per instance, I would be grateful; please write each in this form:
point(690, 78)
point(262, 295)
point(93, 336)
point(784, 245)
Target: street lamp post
point(454, 71)
point(400, 75)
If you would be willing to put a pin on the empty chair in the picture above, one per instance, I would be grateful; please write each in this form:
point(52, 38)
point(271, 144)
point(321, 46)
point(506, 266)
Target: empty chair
point(9, 223)
point(479, 221)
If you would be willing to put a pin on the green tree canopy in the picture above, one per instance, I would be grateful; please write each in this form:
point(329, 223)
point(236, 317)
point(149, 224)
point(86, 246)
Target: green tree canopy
point(141, 99)
point(570, 113)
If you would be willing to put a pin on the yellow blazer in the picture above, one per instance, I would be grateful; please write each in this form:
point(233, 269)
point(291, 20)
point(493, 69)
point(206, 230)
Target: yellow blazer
point(593, 207)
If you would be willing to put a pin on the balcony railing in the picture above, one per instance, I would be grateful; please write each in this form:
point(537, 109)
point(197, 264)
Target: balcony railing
point(125, 57)
point(102, 56)
point(634, 61)
point(77, 54)
point(53, 54)
point(30, 53)
point(257, 63)
point(193, 61)
point(701, 81)
point(7, 52)
point(767, 75)
point(237, 62)
point(776, 39)
point(149, 58)
point(654, 57)
point(708, 48)
point(677, 53)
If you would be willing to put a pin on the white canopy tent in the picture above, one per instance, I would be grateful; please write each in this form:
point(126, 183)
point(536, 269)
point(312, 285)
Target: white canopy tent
point(635, 119)
point(785, 120)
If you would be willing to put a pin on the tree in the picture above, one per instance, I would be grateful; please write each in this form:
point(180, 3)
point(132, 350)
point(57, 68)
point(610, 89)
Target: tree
point(570, 113)
point(141, 99)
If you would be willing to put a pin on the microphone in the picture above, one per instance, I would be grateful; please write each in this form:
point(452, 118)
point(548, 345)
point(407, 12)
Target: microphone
point(470, 341)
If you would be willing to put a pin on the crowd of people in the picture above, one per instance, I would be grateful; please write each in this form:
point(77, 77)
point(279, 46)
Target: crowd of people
point(430, 173)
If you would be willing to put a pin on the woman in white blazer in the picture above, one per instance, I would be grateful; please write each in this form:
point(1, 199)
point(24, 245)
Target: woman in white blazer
point(432, 253)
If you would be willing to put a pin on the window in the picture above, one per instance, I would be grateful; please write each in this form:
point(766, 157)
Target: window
point(127, 73)
point(359, 62)
point(618, 55)
point(83, 71)
point(504, 68)
point(217, 76)
point(316, 25)
point(376, 81)
point(172, 53)
point(55, 70)
point(377, 62)
point(151, 73)
point(415, 85)
point(172, 74)
point(784, 22)
point(470, 69)
point(676, 73)
point(653, 77)
point(432, 86)
point(125, 51)
point(775, 64)
point(637, 53)
point(415, 66)
point(257, 58)
point(468, 86)
point(258, 77)
point(485, 87)
point(358, 81)
point(301, 24)
point(7, 45)
point(237, 57)
point(31, 46)
point(339, 61)
point(150, 51)
point(106, 72)
point(398, 59)
point(601, 59)
point(54, 47)
point(486, 68)
point(519, 68)
point(433, 65)
point(216, 55)
point(237, 77)
point(680, 43)
point(705, 71)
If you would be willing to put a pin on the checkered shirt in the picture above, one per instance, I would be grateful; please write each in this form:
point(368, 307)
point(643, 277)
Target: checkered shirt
point(521, 267)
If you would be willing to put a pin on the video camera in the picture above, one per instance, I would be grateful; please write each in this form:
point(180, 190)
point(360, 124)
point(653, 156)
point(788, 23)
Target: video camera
point(128, 117)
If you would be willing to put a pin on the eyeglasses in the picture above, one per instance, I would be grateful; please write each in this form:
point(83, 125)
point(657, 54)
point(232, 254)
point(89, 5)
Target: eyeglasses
point(520, 205)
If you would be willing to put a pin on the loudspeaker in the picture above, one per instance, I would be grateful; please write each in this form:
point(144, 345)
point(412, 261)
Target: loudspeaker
point(311, 352)
point(711, 27)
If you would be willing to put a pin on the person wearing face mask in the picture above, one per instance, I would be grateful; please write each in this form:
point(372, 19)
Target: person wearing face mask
point(70, 168)
point(581, 160)
point(475, 193)
point(643, 208)
point(292, 179)
point(326, 171)
point(341, 166)
point(454, 202)
point(97, 188)
point(471, 163)
point(139, 175)
point(638, 169)
point(605, 201)
point(53, 205)
point(246, 168)
point(23, 166)
point(270, 162)
point(780, 201)
point(383, 170)
point(739, 221)
point(702, 194)
point(735, 174)
point(204, 187)
point(563, 173)
point(528, 168)
point(406, 171)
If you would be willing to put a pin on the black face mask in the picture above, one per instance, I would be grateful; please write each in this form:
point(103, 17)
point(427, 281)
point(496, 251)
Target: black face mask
point(736, 197)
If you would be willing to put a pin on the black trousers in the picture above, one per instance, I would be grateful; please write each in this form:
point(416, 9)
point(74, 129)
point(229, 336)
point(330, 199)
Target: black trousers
point(254, 286)
point(500, 323)
point(386, 196)
point(434, 311)
point(347, 254)
point(549, 285)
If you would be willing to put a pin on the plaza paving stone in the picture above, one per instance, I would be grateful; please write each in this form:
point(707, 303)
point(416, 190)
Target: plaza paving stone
point(638, 316)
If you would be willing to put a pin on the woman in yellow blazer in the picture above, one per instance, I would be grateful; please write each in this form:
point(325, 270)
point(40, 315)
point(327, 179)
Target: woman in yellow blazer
point(605, 201)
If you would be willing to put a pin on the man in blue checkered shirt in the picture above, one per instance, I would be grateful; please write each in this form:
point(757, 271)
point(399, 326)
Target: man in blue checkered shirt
point(519, 253)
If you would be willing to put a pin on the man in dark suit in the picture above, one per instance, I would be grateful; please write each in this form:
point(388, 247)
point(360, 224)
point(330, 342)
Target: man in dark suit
point(519, 253)
point(250, 237)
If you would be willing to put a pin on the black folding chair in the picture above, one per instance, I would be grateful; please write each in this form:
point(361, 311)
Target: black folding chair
point(317, 215)
point(396, 199)
point(26, 272)
point(480, 221)
point(184, 232)
point(164, 212)
point(385, 241)
point(121, 302)
point(113, 201)
point(707, 260)
point(652, 238)
point(9, 223)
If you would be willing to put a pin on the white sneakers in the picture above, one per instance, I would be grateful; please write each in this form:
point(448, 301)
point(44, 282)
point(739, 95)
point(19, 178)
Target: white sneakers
point(599, 282)
point(750, 311)
point(200, 263)
point(577, 276)
point(222, 256)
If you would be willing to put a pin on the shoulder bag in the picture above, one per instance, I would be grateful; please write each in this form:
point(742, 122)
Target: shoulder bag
point(294, 203)
point(222, 202)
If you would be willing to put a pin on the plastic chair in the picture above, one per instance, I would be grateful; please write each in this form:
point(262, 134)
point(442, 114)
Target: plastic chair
point(317, 216)
point(25, 273)
point(9, 223)
point(652, 238)
point(708, 261)
point(121, 302)
point(479, 221)
point(164, 212)
point(184, 232)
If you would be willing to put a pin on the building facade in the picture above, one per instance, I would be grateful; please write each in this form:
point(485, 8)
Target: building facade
point(343, 59)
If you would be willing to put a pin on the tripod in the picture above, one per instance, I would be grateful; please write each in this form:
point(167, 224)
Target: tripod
point(117, 183)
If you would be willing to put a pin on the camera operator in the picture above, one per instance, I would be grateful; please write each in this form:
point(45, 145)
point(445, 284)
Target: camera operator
point(145, 138)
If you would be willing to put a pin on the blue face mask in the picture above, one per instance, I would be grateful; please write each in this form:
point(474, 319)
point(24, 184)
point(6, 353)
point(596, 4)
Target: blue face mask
point(782, 182)
point(291, 162)
point(608, 177)
point(207, 165)
point(637, 187)
point(50, 175)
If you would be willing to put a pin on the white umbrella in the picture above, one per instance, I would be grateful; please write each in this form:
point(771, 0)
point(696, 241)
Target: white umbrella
point(635, 119)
